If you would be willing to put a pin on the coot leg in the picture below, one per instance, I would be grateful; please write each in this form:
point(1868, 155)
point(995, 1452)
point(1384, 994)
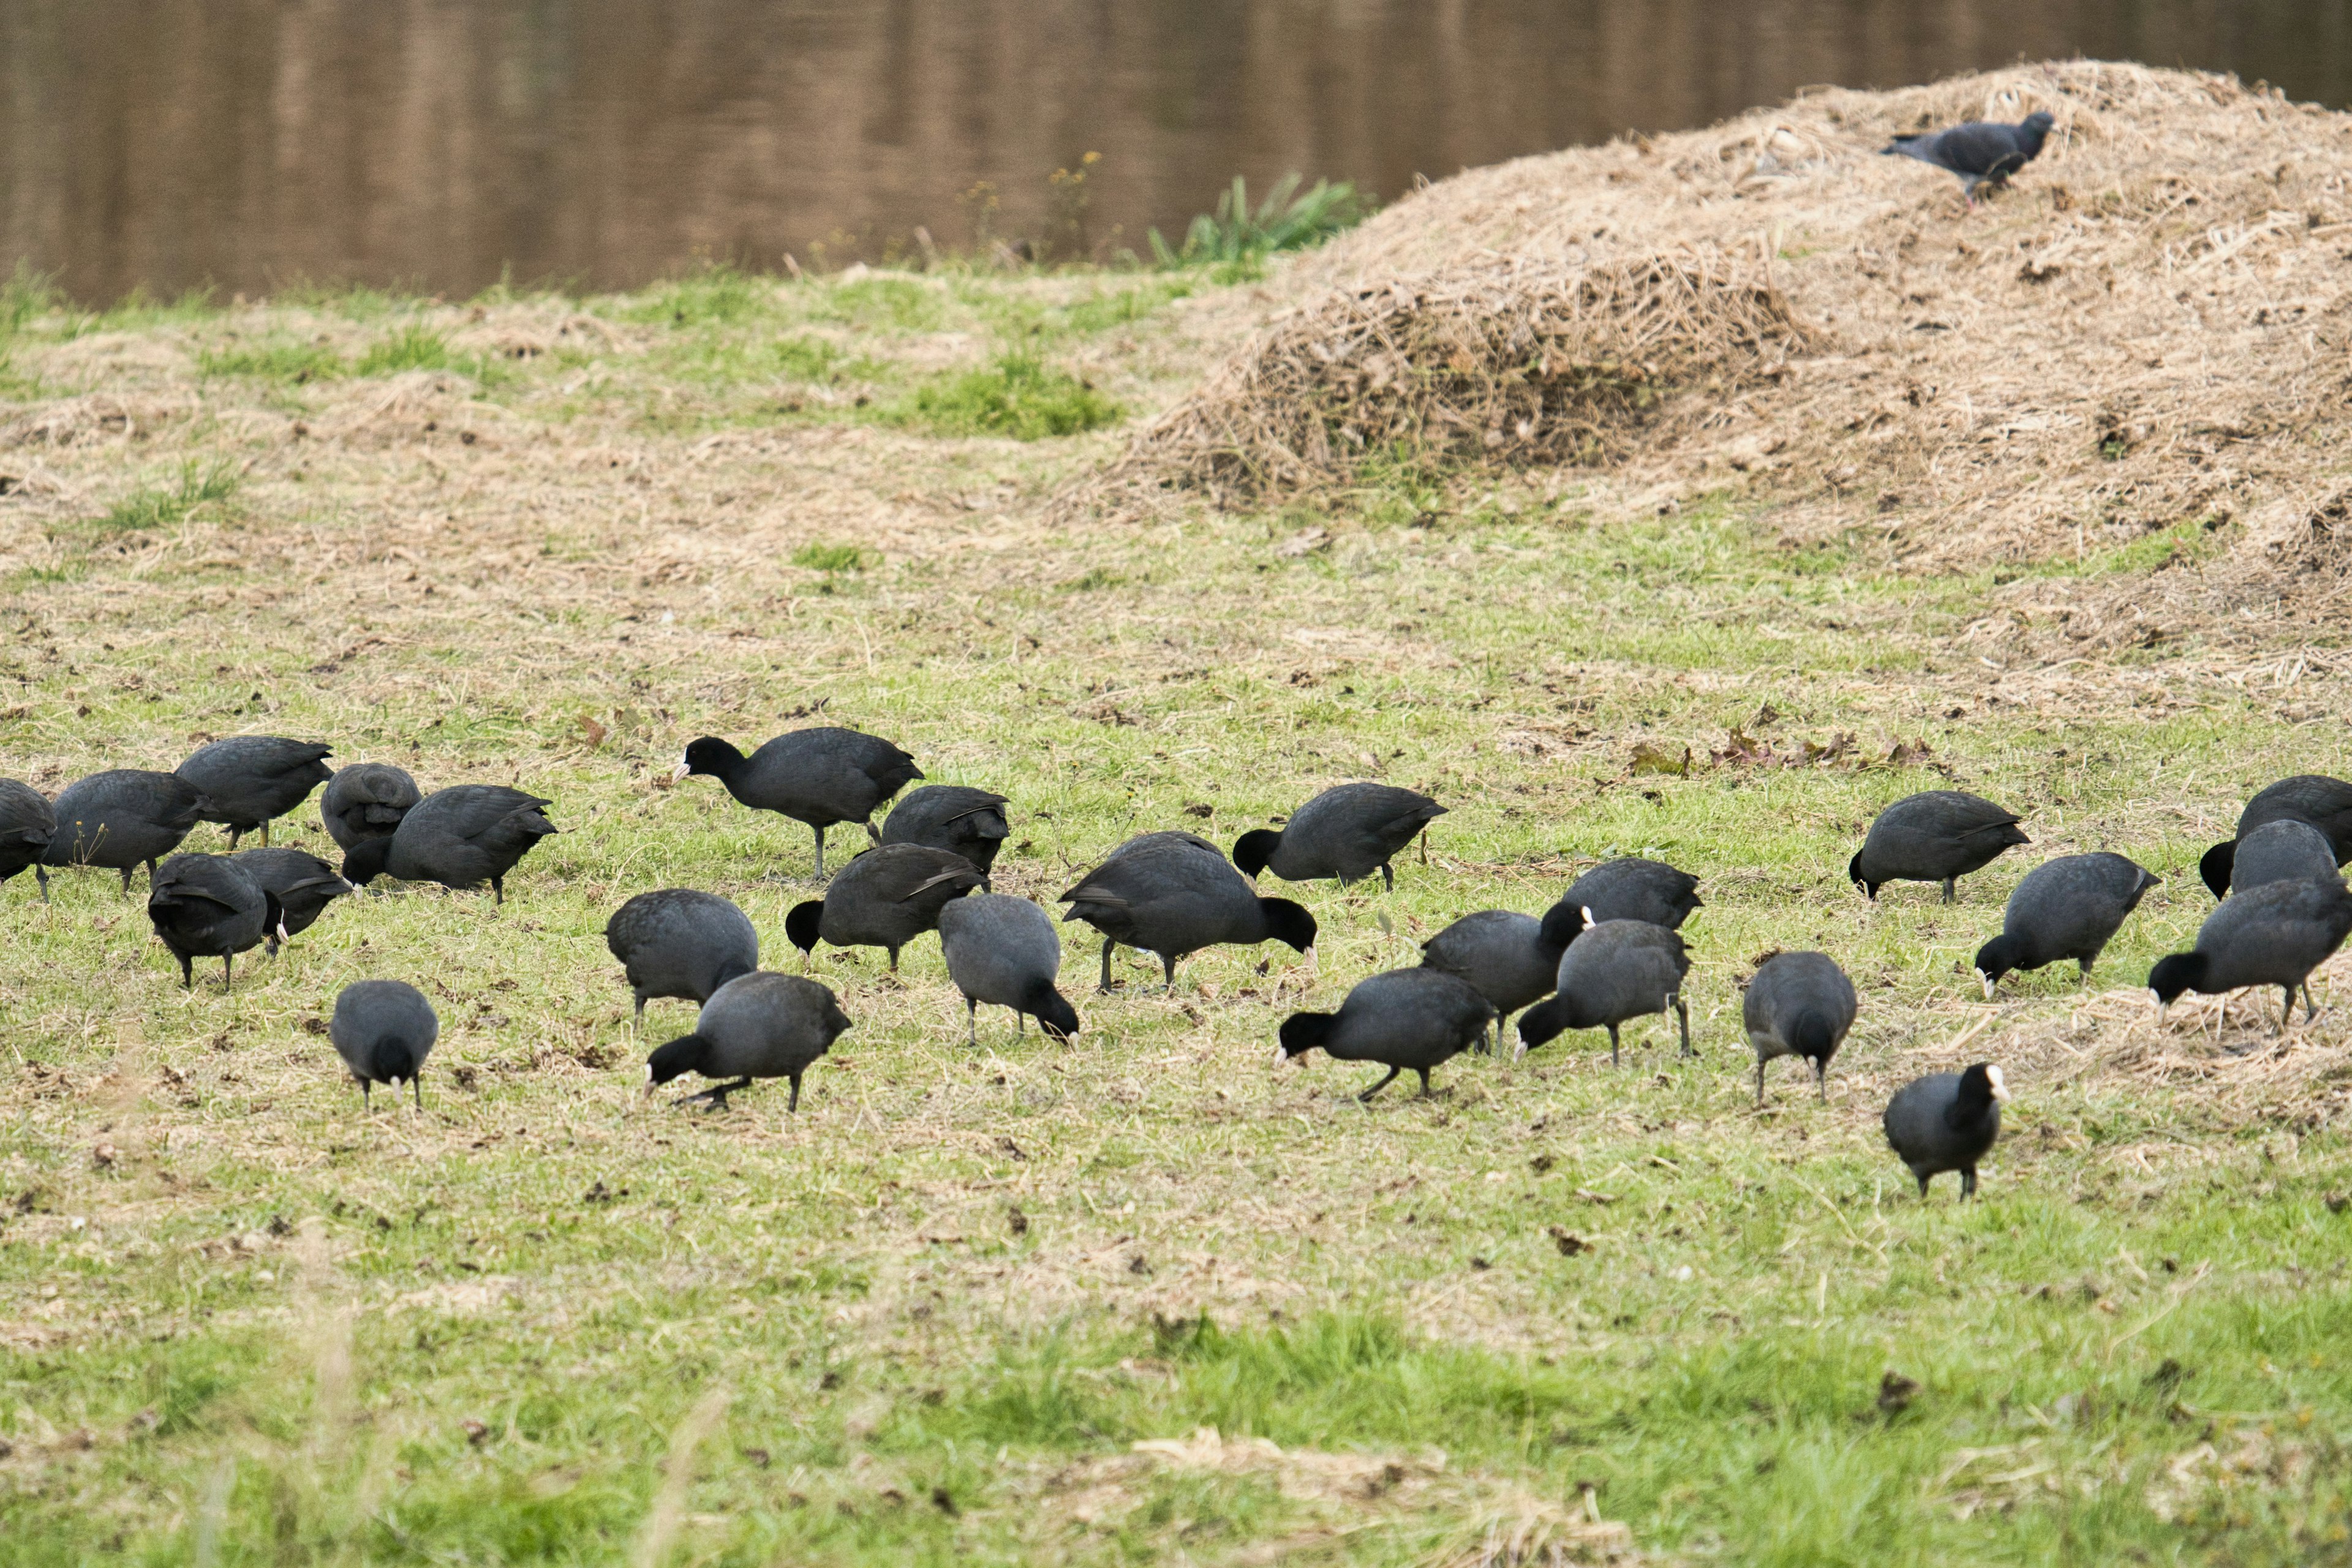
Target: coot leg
point(716, 1096)
point(1168, 963)
point(1612, 1045)
point(1951, 889)
point(1107, 945)
point(820, 853)
point(233, 831)
point(1681, 1011)
point(1821, 1078)
point(2310, 1008)
point(793, 1104)
point(498, 890)
point(1968, 1182)
point(2288, 1016)
point(1759, 1080)
point(1388, 877)
point(894, 960)
point(1424, 1081)
point(126, 879)
point(187, 971)
point(417, 1085)
point(1381, 1084)
point(41, 875)
point(971, 1021)
point(226, 961)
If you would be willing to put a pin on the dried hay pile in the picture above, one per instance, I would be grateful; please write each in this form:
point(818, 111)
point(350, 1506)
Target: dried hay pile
point(2147, 329)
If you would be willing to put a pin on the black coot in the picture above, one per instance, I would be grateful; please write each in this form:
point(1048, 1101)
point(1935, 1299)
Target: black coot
point(886, 898)
point(28, 822)
point(459, 837)
point(1630, 889)
point(1502, 954)
point(1798, 1005)
point(383, 1030)
point(1946, 1122)
point(1348, 831)
point(2287, 850)
point(2323, 802)
point(2067, 908)
point(365, 800)
point(253, 779)
point(1407, 1019)
point(818, 776)
point(954, 818)
point(1003, 951)
point(303, 885)
point(1617, 970)
point(1175, 893)
point(679, 942)
point(123, 818)
point(1941, 835)
point(2276, 935)
point(763, 1024)
point(206, 906)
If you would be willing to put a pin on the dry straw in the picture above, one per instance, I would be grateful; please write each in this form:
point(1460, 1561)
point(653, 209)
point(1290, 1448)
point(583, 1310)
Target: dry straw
point(2147, 330)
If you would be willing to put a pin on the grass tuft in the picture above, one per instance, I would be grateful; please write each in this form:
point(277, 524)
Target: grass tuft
point(834, 557)
point(166, 506)
point(1018, 396)
point(410, 348)
point(1288, 219)
point(293, 362)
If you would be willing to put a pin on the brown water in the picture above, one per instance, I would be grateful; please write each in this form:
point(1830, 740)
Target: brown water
point(440, 143)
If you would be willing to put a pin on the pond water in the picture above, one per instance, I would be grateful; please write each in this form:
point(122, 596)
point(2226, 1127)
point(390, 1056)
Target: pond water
point(444, 143)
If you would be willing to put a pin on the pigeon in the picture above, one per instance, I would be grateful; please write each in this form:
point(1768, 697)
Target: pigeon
point(1631, 889)
point(460, 838)
point(1617, 970)
point(383, 1030)
point(252, 779)
point(1978, 152)
point(2067, 908)
point(1798, 1005)
point(818, 776)
point(1939, 836)
point(1502, 954)
point(1407, 1019)
point(303, 884)
point(206, 906)
point(365, 800)
point(2287, 850)
point(123, 818)
point(1350, 830)
point(2276, 935)
point(1946, 1122)
point(682, 944)
point(2323, 802)
point(954, 818)
point(762, 1025)
point(1174, 893)
point(28, 822)
point(1003, 951)
point(884, 898)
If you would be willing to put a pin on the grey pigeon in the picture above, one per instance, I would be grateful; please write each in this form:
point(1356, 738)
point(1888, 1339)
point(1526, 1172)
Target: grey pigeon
point(675, 942)
point(254, 779)
point(1798, 1005)
point(1405, 1020)
point(2068, 908)
point(1173, 893)
point(1003, 951)
point(2323, 802)
point(1980, 153)
point(1946, 1122)
point(383, 1030)
point(1348, 831)
point(763, 1024)
point(819, 776)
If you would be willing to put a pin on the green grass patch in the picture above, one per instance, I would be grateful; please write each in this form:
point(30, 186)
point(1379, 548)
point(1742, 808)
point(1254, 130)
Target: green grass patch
point(834, 557)
point(410, 348)
point(199, 485)
point(292, 363)
point(713, 295)
point(1018, 396)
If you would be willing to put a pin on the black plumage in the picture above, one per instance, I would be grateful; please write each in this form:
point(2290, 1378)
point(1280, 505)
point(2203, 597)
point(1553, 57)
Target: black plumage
point(1941, 835)
point(366, 801)
point(251, 779)
point(1798, 1005)
point(2323, 802)
point(1502, 955)
point(303, 885)
point(1405, 1020)
point(1947, 1121)
point(763, 1024)
point(28, 822)
point(460, 838)
point(955, 817)
point(679, 942)
point(2067, 908)
point(884, 898)
point(2283, 851)
point(2276, 935)
point(1350, 830)
point(1616, 971)
point(1980, 153)
point(1630, 889)
point(819, 776)
point(383, 1030)
point(1003, 950)
point(123, 818)
point(206, 906)
point(1174, 893)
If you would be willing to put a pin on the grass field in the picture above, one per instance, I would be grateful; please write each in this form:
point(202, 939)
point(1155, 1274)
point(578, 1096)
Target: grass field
point(1147, 1297)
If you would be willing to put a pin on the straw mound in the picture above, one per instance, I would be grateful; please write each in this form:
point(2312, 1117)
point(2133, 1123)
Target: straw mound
point(2146, 327)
